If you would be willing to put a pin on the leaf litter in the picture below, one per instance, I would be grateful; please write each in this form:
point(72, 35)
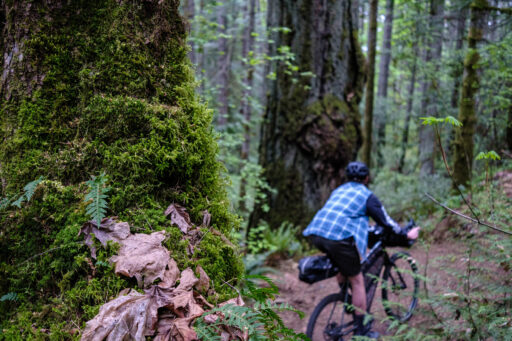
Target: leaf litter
point(165, 311)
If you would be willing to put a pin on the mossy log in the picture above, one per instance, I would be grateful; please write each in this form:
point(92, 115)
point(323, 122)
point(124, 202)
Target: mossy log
point(86, 87)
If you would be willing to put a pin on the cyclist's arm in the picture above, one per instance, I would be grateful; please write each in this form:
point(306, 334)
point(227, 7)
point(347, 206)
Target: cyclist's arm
point(378, 213)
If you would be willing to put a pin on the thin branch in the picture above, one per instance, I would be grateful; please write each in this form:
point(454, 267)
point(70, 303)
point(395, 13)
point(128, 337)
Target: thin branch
point(465, 216)
point(45, 252)
point(506, 153)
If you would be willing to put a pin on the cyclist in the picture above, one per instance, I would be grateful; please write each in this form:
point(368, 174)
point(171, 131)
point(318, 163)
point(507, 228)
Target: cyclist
point(340, 229)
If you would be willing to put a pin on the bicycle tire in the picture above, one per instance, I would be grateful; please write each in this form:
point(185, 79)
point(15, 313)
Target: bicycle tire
point(330, 320)
point(400, 276)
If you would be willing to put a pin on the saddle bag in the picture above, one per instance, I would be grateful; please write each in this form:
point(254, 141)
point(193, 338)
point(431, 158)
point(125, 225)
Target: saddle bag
point(316, 268)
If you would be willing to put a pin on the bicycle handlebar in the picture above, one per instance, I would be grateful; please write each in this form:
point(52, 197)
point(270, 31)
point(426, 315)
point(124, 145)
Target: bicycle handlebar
point(378, 233)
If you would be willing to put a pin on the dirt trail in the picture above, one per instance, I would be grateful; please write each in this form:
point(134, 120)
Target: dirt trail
point(305, 297)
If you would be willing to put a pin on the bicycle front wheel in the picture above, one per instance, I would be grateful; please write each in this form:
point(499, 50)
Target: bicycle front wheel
point(330, 320)
point(400, 286)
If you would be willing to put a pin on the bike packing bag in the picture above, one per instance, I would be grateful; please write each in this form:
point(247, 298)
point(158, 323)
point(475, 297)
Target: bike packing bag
point(316, 268)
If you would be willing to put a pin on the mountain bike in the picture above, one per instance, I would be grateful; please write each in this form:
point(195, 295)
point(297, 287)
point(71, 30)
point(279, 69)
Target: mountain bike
point(332, 318)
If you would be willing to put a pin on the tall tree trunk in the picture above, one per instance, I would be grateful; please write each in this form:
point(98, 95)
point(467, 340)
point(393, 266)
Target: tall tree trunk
point(311, 126)
point(382, 85)
point(463, 158)
point(247, 46)
point(368, 107)
point(408, 110)
point(223, 67)
point(430, 86)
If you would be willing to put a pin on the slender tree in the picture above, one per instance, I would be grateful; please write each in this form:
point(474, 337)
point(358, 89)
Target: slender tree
point(382, 85)
point(223, 66)
point(311, 126)
point(368, 107)
point(246, 110)
point(430, 85)
point(460, 32)
point(409, 108)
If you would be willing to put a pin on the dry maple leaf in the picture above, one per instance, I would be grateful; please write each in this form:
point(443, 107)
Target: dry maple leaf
point(142, 256)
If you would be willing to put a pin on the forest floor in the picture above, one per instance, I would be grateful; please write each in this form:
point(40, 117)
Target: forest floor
point(431, 262)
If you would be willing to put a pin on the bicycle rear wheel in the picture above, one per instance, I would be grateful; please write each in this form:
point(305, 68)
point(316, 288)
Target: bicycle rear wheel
point(400, 286)
point(330, 319)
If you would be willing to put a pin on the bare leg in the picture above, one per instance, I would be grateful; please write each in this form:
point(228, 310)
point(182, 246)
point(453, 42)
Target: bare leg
point(358, 293)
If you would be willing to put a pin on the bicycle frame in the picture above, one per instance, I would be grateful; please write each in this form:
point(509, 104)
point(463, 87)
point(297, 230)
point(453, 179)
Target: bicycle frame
point(376, 260)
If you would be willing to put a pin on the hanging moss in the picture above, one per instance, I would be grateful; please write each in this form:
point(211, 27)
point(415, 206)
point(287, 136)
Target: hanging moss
point(99, 86)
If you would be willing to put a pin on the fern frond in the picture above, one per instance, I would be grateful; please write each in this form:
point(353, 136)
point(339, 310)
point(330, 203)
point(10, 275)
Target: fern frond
point(10, 296)
point(30, 188)
point(97, 208)
point(18, 202)
point(205, 331)
point(28, 192)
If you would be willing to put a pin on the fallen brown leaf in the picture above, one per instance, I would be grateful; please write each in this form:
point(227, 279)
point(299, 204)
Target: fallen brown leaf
point(142, 256)
point(179, 217)
point(204, 281)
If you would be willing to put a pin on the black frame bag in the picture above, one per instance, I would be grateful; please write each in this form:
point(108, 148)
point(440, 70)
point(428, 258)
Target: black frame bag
point(316, 268)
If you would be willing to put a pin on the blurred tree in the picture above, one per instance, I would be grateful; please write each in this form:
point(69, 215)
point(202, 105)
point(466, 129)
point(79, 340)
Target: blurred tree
point(368, 100)
point(311, 127)
point(382, 87)
point(431, 85)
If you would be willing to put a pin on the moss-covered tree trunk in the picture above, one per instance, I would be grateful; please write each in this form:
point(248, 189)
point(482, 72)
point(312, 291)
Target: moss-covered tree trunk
point(311, 126)
point(464, 144)
point(87, 87)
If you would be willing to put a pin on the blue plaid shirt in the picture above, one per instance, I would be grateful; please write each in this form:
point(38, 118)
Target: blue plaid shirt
point(343, 216)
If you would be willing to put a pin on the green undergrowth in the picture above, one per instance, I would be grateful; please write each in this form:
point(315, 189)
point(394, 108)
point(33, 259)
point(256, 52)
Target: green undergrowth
point(116, 96)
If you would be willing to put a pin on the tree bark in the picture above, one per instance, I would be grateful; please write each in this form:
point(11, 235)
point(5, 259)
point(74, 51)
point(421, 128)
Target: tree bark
point(247, 46)
point(311, 125)
point(430, 86)
point(382, 85)
point(368, 103)
point(463, 156)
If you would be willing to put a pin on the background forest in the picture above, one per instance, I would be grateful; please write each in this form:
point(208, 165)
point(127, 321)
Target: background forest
point(244, 113)
point(417, 70)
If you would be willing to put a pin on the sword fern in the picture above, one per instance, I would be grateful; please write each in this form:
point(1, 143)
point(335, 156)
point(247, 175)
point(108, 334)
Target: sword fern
point(97, 196)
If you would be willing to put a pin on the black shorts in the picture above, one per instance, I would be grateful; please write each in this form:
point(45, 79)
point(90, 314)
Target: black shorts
point(343, 253)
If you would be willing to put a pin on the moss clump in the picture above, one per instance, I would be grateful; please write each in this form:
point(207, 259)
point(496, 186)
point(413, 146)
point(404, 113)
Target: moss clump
point(101, 86)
